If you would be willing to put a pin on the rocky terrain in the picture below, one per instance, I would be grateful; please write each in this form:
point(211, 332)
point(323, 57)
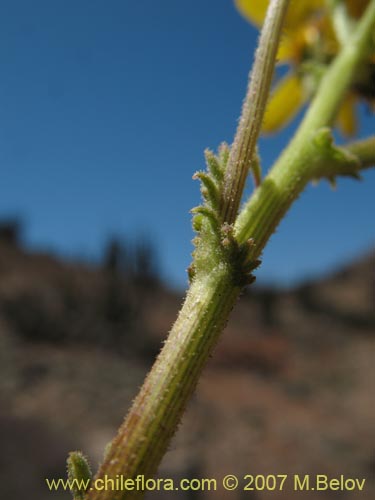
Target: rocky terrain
point(289, 390)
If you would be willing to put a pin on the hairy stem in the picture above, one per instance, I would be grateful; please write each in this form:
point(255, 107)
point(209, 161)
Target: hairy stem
point(144, 436)
point(244, 145)
point(155, 414)
point(302, 161)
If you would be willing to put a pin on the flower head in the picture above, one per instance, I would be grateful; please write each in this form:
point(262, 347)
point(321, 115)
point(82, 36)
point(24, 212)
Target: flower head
point(309, 44)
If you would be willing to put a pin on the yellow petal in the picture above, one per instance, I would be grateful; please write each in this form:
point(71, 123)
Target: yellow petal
point(346, 119)
point(298, 11)
point(296, 30)
point(253, 10)
point(284, 103)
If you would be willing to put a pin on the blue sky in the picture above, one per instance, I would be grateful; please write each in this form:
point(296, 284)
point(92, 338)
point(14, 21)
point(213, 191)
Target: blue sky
point(106, 108)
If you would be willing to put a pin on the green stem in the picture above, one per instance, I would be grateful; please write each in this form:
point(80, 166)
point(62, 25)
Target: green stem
point(364, 150)
point(155, 414)
point(144, 436)
point(245, 141)
point(342, 22)
point(301, 161)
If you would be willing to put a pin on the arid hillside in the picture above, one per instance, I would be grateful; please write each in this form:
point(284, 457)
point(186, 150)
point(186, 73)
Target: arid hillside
point(289, 389)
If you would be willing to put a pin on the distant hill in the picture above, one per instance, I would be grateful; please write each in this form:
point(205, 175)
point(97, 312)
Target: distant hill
point(289, 389)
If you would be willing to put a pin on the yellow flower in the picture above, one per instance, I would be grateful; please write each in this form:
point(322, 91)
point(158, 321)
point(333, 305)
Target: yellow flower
point(308, 44)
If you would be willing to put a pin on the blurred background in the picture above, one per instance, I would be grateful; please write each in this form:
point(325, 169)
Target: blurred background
point(106, 109)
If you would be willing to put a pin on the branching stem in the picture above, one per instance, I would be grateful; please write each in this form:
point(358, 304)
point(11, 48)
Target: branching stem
point(301, 161)
point(144, 436)
point(364, 150)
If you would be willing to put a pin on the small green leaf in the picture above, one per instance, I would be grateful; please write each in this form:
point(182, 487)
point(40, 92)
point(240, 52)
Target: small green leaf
point(79, 474)
point(224, 151)
point(209, 189)
point(209, 214)
point(214, 166)
point(197, 223)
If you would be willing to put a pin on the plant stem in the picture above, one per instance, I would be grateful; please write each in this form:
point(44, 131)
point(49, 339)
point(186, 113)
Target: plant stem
point(245, 141)
point(143, 438)
point(364, 150)
point(155, 414)
point(342, 22)
point(301, 161)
